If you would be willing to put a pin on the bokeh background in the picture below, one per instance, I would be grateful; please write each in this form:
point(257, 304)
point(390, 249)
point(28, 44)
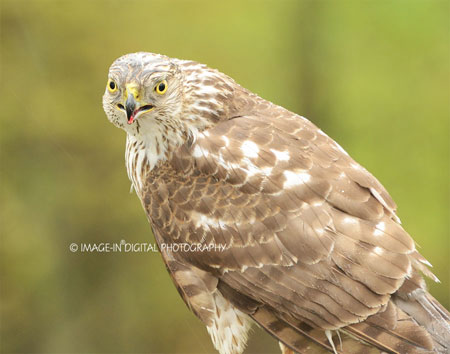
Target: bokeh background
point(374, 75)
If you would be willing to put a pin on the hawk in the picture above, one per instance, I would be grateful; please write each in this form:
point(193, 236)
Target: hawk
point(261, 217)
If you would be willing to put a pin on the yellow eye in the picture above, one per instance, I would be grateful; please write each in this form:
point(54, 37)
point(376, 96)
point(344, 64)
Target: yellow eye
point(161, 87)
point(112, 86)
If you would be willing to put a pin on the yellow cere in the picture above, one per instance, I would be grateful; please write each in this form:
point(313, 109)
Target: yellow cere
point(133, 89)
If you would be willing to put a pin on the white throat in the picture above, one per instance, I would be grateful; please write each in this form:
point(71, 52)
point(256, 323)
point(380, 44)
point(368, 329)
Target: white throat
point(144, 150)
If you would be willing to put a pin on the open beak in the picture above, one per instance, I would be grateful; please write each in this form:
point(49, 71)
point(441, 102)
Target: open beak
point(132, 104)
point(130, 107)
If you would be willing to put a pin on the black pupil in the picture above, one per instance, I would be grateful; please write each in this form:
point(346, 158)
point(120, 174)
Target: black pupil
point(161, 87)
point(112, 85)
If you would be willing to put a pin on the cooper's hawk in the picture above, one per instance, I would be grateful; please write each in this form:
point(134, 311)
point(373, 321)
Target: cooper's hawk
point(260, 216)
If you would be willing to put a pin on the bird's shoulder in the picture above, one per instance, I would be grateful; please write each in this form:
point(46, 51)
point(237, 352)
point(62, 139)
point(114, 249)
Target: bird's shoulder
point(265, 148)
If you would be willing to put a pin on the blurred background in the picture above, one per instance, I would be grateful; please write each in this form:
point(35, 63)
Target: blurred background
point(374, 75)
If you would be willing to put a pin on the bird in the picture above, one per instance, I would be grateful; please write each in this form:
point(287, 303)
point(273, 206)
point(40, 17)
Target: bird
point(261, 217)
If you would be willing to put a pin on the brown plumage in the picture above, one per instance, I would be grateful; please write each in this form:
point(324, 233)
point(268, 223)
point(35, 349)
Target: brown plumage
point(302, 239)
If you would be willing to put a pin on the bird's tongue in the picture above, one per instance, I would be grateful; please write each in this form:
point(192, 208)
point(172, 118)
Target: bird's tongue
point(133, 115)
point(131, 119)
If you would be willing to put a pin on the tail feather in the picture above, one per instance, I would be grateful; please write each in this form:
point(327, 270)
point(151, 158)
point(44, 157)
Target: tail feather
point(405, 336)
point(412, 322)
point(413, 299)
point(441, 309)
point(302, 338)
point(392, 331)
point(428, 313)
point(306, 340)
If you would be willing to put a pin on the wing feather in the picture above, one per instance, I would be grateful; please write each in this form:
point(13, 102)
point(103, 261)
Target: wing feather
point(306, 230)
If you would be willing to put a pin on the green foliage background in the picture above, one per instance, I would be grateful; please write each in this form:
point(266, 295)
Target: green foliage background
point(373, 74)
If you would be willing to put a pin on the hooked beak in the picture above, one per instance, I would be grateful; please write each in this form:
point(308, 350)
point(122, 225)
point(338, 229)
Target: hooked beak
point(132, 104)
point(130, 107)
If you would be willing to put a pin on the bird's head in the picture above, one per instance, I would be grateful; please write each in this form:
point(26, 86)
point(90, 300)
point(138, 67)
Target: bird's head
point(143, 89)
point(147, 92)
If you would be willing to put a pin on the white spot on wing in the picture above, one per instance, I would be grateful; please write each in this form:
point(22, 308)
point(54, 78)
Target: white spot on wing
point(378, 250)
point(295, 178)
point(349, 220)
point(377, 232)
point(267, 170)
point(379, 228)
point(250, 149)
point(226, 140)
point(202, 220)
point(199, 152)
point(251, 169)
point(381, 225)
point(281, 155)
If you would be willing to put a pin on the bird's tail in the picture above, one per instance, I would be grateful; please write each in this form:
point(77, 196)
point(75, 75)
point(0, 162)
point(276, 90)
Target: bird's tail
point(429, 314)
point(414, 300)
point(414, 326)
point(412, 321)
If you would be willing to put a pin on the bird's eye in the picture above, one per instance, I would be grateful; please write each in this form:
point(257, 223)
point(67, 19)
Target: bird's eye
point(161, 87)
point(112, 86)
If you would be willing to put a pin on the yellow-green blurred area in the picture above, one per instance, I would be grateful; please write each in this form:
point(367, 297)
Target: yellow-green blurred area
point(374, 75)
